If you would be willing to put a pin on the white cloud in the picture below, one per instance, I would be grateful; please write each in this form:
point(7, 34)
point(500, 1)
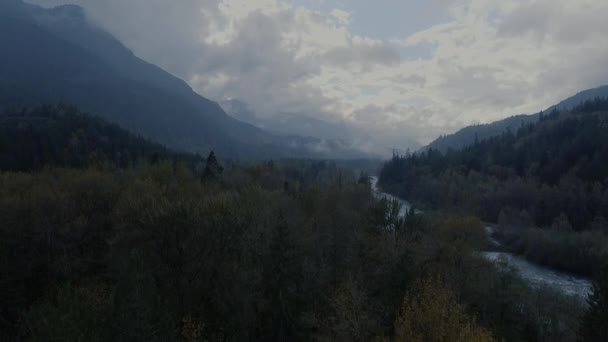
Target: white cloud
point(490, 59)
point(341, 16)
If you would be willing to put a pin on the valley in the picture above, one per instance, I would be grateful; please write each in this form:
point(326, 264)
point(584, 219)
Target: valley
point(228, 170)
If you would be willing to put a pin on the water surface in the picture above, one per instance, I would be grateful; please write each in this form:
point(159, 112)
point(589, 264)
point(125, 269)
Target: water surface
point(537, 276)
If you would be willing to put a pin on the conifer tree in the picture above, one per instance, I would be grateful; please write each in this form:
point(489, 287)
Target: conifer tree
point(594, 327)
point(213, 169)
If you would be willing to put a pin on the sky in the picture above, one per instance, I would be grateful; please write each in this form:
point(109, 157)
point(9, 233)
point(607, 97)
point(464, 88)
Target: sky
point(397, 68)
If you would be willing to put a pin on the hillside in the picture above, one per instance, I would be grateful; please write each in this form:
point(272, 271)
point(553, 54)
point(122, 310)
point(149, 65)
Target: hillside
point(583, 96)
point(564, 150)
point(550, 175)
point(62, 136)
point(56, 56)
point(468, 135)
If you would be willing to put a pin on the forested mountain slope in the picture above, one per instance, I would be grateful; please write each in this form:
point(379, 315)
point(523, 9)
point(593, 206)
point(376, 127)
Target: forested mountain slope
point(62, 136)
point(580, 98)
point(554, 167)
point(545, 185)
point(468, 135)
point(55, 55)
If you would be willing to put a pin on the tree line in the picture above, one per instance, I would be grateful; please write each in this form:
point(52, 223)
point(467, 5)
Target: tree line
point(159, 250)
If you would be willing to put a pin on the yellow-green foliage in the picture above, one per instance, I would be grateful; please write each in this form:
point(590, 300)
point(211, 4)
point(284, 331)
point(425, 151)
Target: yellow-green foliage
point(462, 232)
point(431, 313)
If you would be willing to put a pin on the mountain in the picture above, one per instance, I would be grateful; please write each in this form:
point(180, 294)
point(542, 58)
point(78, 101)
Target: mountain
point(56, 56)
point(554, 166)
point(63, 136)
point(550, 175)
point(339, 133)
point(468, 135)
point(290, 123)
point(576, 100)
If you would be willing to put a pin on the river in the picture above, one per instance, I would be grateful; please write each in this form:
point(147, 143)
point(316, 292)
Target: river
point(405, 205)
point(535, 275)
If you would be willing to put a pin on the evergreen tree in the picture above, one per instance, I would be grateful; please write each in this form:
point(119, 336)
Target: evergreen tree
point(364, 178)
point(213, 168)
point(281, 274)
point(594, 327)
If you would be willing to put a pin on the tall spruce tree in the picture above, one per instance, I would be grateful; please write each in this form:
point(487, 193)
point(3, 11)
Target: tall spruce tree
point(213, 169)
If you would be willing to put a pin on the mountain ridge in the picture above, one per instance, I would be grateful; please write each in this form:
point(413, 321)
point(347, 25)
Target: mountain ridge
point(468, 135)
point(57, 56)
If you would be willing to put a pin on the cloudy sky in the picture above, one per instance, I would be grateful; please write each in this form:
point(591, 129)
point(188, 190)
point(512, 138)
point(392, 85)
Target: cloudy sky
point(415, 68)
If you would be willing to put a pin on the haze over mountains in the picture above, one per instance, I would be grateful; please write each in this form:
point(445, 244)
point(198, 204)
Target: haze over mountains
point(56, 55)
point(290, 123)
point(301, 124)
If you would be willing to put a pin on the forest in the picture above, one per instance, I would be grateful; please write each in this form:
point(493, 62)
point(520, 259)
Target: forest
point(262, 253)
point(159, 248)
point(61, 135)
point(220, 171)
point(546, 184)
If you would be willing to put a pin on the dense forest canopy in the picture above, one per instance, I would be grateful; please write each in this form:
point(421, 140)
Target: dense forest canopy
point(63, 136)
point(268, 252)
point(535, 168)
point(107, 236)
point(550, 175)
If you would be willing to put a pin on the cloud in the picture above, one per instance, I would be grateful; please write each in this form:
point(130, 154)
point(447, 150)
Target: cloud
point(487, 60)
point(343, 17)
point(569, 22)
